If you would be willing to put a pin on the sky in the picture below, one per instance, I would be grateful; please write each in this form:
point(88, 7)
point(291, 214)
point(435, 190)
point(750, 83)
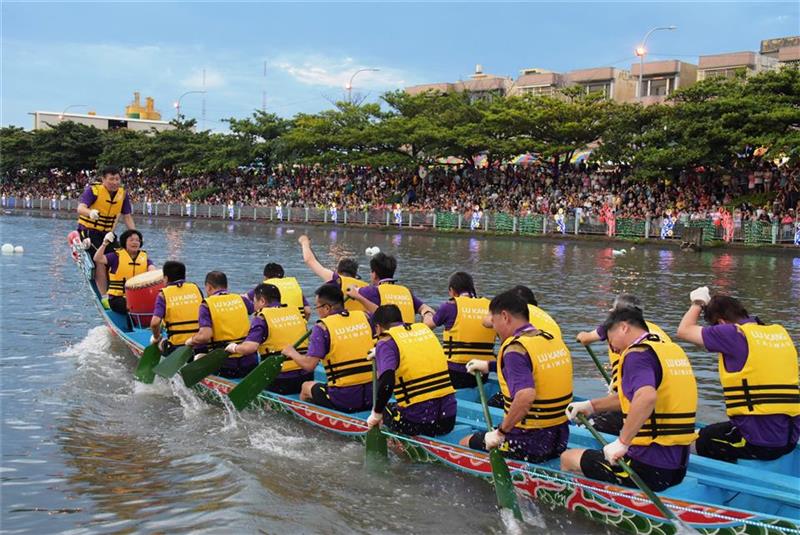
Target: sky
point(56, 55)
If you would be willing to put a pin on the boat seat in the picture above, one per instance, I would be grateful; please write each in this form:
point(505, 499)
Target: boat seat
point(731, 485)
point(788, 464)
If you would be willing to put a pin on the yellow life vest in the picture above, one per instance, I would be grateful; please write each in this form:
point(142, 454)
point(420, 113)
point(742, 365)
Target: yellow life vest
point(543, 321)
point(613, 356)
point(346, 282)
point(673, 418)
point(230, 321)
point(422, 373)
point(346, 363)
point(182, 311)
point(397, 294)
point(127, 268)
point(551, 363)
point(468, 339)
point(285, 326)
point(109, 208)
point(291, 293)
point(768, 383)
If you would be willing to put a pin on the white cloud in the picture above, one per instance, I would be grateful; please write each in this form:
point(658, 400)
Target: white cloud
point(333, 72)
point(213, 79)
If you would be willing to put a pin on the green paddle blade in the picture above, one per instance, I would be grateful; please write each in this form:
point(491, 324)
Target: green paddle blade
point(503, 484)
point(256, 381)
point(196, 371)
point(174, 362)
point(377, 451)
point(144, 370)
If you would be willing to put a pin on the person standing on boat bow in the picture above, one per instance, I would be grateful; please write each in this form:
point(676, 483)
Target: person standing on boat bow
point(611, 421)
point(100, 205)
point(123, 264)
point(345, 276)
point(534, 369)
point(410, 363)
point(658, 398)
point(759, 374)
point(291, 292)
point(224, 319)
point(178, 307)
point(385, 291)
point(273, 327)
point(341, 340)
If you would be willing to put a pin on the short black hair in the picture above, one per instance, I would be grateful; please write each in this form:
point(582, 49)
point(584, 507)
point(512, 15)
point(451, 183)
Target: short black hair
point(383, 265)
point(725, 307)
point(386, 315)
point(526, 294)
point(217, 279)
point(627, 301)
point(461, 282)
point(630, 315)
point(123, 239)
point(347, 267)
point(273, 271)
point(270, 292)
point(174, 270)
point(330, 294)
point(109, 170)
point(510, 302)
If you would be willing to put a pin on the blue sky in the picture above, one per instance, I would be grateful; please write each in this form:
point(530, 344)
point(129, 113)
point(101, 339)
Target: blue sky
point(58, 54)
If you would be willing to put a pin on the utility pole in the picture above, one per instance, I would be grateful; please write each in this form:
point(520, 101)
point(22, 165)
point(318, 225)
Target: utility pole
point(203, 111)
point(264, 91)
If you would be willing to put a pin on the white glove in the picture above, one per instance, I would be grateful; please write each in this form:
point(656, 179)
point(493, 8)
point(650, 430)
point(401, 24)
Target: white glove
point(153, 339)
point(615, 451)
point(579, 407)
point(477, 365)
point(86, 244)
point(700, 295)
point(109, 237)
point(231, 348)
point(493, 439)
point(375, 418)
point(94, 214)
point(612, 391)
point(371, 354)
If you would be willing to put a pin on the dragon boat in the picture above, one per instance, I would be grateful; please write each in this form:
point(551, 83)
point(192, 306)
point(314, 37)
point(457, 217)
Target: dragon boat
point(751, 497)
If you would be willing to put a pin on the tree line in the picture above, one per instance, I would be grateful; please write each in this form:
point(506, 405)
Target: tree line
point(708, 124)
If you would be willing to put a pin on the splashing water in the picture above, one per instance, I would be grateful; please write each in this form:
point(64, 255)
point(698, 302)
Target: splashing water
point(512, 525)
point(95, 344)
point(158, 387)
point(191, 404)
point(231, 414)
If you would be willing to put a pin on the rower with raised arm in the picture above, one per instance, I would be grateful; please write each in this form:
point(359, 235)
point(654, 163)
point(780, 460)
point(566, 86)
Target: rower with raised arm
point(759, 374)
point(291, 292)
point(345, 275)
point(384, 290)
point(658, 398)
point(122, 264)
point(534, 369)
point(177, 306)
point(611, 421)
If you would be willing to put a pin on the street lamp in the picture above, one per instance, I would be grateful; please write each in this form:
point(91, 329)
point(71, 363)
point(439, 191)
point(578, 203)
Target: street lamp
point(642, 50)
point(349, 85)
point(177, 103)
point(61, 115)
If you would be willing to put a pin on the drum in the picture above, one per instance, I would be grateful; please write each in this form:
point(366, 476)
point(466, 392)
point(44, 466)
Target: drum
point(140, 294)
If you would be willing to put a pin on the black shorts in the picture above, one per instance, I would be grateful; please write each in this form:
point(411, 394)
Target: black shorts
point(513, 450)
point(464, 379)
point(117, 303)
point(97, 237)
point(608, 422)
point(394, 421)
point(319, 396)
point(290, 385)
point(595, 466)
point(724, 441)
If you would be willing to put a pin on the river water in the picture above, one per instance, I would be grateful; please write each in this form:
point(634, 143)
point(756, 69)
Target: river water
point(85, 449)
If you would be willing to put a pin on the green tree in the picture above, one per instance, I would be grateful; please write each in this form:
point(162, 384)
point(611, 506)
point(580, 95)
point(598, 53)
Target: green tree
point(67, 145)
point(15, 149)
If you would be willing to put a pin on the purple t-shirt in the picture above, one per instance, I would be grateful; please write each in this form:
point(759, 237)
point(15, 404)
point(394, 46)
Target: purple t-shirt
point(319, 344)
point(371, 293)
point(113, 262)
point(387, 357)
point(87, 198)
point(642, 368)
point(771, 430)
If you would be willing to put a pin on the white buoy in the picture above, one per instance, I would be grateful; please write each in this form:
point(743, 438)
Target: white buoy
point(7, 248)
point(18, 249)
point(290, 231)
point(376, 250)
point(617, 252)
point(368, 251)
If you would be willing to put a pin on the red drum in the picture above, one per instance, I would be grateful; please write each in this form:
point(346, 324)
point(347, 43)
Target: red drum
point(140, 294)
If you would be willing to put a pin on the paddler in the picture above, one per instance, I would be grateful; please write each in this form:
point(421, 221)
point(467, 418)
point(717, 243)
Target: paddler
point(224, 319)
point(611, 421)
point(384, 290)
point(534, 369)
point(291, 292)
point(123, 264)
point(273, 327)
point(464, 337)
point(345, 275)
point(759, 374)
point(341, 340)
point(658, 396)
point(411, 365)
point(538, 317)
point(177, 306)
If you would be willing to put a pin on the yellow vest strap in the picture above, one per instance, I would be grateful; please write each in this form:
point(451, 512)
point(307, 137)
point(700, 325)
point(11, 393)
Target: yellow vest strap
point(335, 372)
point(408, 390)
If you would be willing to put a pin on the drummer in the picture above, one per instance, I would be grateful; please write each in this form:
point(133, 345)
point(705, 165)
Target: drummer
point(123, 264)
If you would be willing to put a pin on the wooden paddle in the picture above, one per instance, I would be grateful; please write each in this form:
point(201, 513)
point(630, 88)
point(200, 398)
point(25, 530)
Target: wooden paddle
point(196, 371)
point(174, 362)
point(377, 451)
point(635, 478)
point(260, 378)
point(503, 485)
point(599, 365)
point(144, 370)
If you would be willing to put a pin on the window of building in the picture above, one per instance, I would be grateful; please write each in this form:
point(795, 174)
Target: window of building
point(598, 87)
point(658, 87)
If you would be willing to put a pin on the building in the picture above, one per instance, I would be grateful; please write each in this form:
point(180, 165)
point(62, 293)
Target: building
point(48, 119)
point(734, 63)
point(661, 78)
point(480, 86)
point(614, 84)
point(537, 82)
point(135, 110)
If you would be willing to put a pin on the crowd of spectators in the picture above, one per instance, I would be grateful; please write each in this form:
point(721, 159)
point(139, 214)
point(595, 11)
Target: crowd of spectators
point(536, 189)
